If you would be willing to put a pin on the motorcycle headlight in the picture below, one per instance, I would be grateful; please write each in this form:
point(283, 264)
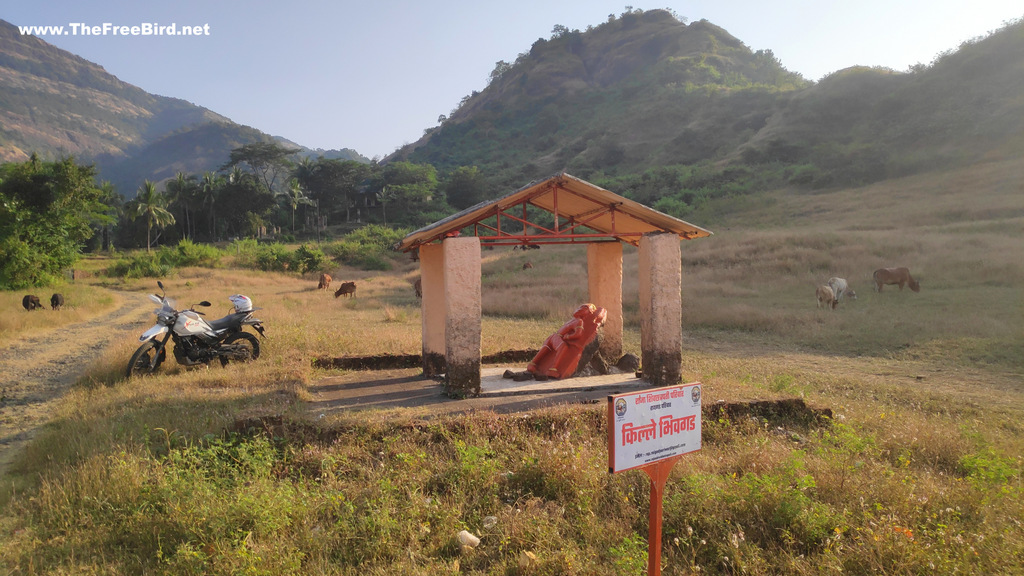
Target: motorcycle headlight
point(164, 318)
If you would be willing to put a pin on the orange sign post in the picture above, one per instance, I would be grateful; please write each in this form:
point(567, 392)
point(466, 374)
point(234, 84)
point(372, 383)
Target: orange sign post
point(651, 430)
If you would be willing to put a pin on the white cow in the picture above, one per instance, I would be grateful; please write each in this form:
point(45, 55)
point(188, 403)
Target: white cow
point(840, 288)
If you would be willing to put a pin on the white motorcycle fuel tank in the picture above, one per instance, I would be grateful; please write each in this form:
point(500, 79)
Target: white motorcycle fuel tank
point(191, 324)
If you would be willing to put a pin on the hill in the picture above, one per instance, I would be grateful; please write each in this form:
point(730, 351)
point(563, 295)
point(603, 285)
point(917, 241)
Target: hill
point(637, 91)
point(646, 91)
point(54, 103)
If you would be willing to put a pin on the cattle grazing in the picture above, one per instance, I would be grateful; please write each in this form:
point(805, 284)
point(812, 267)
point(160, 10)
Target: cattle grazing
point(899, 276)
point(418, 287)
point(841, 289)
point(57, 301)
point(31, 302)
point(527, 266)
point(325, 282)
point(346, 288)
point(826, 297)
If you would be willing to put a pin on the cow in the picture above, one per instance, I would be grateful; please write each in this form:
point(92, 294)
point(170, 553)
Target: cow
point(527, 265)
point(826, 297)
point(57, 301)
point(346, 288)
point(325, 282)
point(841, 289)
point(417, 286)
point(899, 276)
point(31, 302)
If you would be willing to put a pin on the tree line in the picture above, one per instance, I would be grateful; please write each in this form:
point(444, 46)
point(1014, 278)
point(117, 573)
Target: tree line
point(50, 212)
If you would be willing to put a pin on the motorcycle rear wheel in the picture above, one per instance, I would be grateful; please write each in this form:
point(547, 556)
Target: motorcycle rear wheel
point(241, 347)
point(142, 360)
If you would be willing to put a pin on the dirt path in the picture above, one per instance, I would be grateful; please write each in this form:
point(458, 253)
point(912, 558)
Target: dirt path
point(37, 370)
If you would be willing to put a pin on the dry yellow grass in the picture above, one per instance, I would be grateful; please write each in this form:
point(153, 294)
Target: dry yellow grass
point(82, 302)
point(921, 461)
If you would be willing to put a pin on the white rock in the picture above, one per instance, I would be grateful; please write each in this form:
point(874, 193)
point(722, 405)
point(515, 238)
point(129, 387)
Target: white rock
point(468, 539)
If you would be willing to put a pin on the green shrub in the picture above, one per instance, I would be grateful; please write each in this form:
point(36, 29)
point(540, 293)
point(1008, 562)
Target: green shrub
point(368, 248)
point(188, 253)
point(309, 259)
point(376, 235)
point(151, 265)
point(274, 258)
point(161, 263)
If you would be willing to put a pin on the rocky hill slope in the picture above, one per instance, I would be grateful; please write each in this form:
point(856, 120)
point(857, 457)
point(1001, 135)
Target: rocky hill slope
point(53, 103)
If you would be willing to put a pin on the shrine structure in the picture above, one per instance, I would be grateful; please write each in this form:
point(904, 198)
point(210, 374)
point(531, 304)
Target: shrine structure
point(450, 272)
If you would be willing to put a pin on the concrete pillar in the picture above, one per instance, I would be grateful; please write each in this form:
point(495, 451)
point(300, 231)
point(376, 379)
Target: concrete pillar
point(661, 310)
point(604, 282)
point(462, 320)
point(432, 308)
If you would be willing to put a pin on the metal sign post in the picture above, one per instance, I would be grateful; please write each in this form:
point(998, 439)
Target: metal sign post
point(650, 431)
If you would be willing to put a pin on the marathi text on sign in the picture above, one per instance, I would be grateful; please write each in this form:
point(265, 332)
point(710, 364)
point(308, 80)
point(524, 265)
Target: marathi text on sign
point(652, 425)
point(666, 426)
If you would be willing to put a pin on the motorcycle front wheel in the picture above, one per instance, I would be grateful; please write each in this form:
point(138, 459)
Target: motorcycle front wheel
point(240, 347)
point(142, 362)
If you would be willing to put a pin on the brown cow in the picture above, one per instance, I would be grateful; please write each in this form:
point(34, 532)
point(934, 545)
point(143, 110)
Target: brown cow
point(57, 301)
point(346, 288)
point(418, 287)
point(898, 276)
point(31, 302)
point(827, 297)
point(325, 282)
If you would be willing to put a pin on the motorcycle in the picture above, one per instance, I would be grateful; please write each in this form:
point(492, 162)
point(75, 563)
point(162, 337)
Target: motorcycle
point(197, 341)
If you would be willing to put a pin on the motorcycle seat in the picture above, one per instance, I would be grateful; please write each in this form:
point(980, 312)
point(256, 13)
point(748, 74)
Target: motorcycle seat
point(229, 321)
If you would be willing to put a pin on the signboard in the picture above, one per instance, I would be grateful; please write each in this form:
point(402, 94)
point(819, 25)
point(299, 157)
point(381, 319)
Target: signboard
point(651, 425)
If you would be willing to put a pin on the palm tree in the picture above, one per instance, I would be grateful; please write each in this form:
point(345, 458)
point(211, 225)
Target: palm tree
point(209, 187)
point(295, 197)
point(385, 195)
point(151, 204)
point(183, 191)
point(115, 208)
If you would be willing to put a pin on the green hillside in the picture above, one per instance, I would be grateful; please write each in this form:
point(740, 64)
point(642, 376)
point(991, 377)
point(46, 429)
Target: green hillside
point(637, 91)
point(192, 150)
point(654, 107)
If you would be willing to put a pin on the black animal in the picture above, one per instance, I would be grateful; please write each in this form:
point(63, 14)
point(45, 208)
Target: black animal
point(31, 302)
point(57, 301)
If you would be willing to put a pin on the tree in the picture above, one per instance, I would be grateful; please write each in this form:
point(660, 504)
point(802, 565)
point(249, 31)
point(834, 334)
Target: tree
point(384, 195)
point(115, 207)
point(209, 188)
point(266, 160)
point(153, 206)
point(410, 187)
point(464, 187)
point(243, 203)
point(558, 31)
point(333, 184)
point(47, 212)
point(183, 191)
point(295, 197)
point(500, 67)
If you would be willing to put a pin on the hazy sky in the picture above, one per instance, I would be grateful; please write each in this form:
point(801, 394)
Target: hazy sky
point(372, 75)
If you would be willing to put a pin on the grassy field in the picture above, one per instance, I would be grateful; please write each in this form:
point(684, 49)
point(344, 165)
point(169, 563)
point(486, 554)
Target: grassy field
point(223, 471)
